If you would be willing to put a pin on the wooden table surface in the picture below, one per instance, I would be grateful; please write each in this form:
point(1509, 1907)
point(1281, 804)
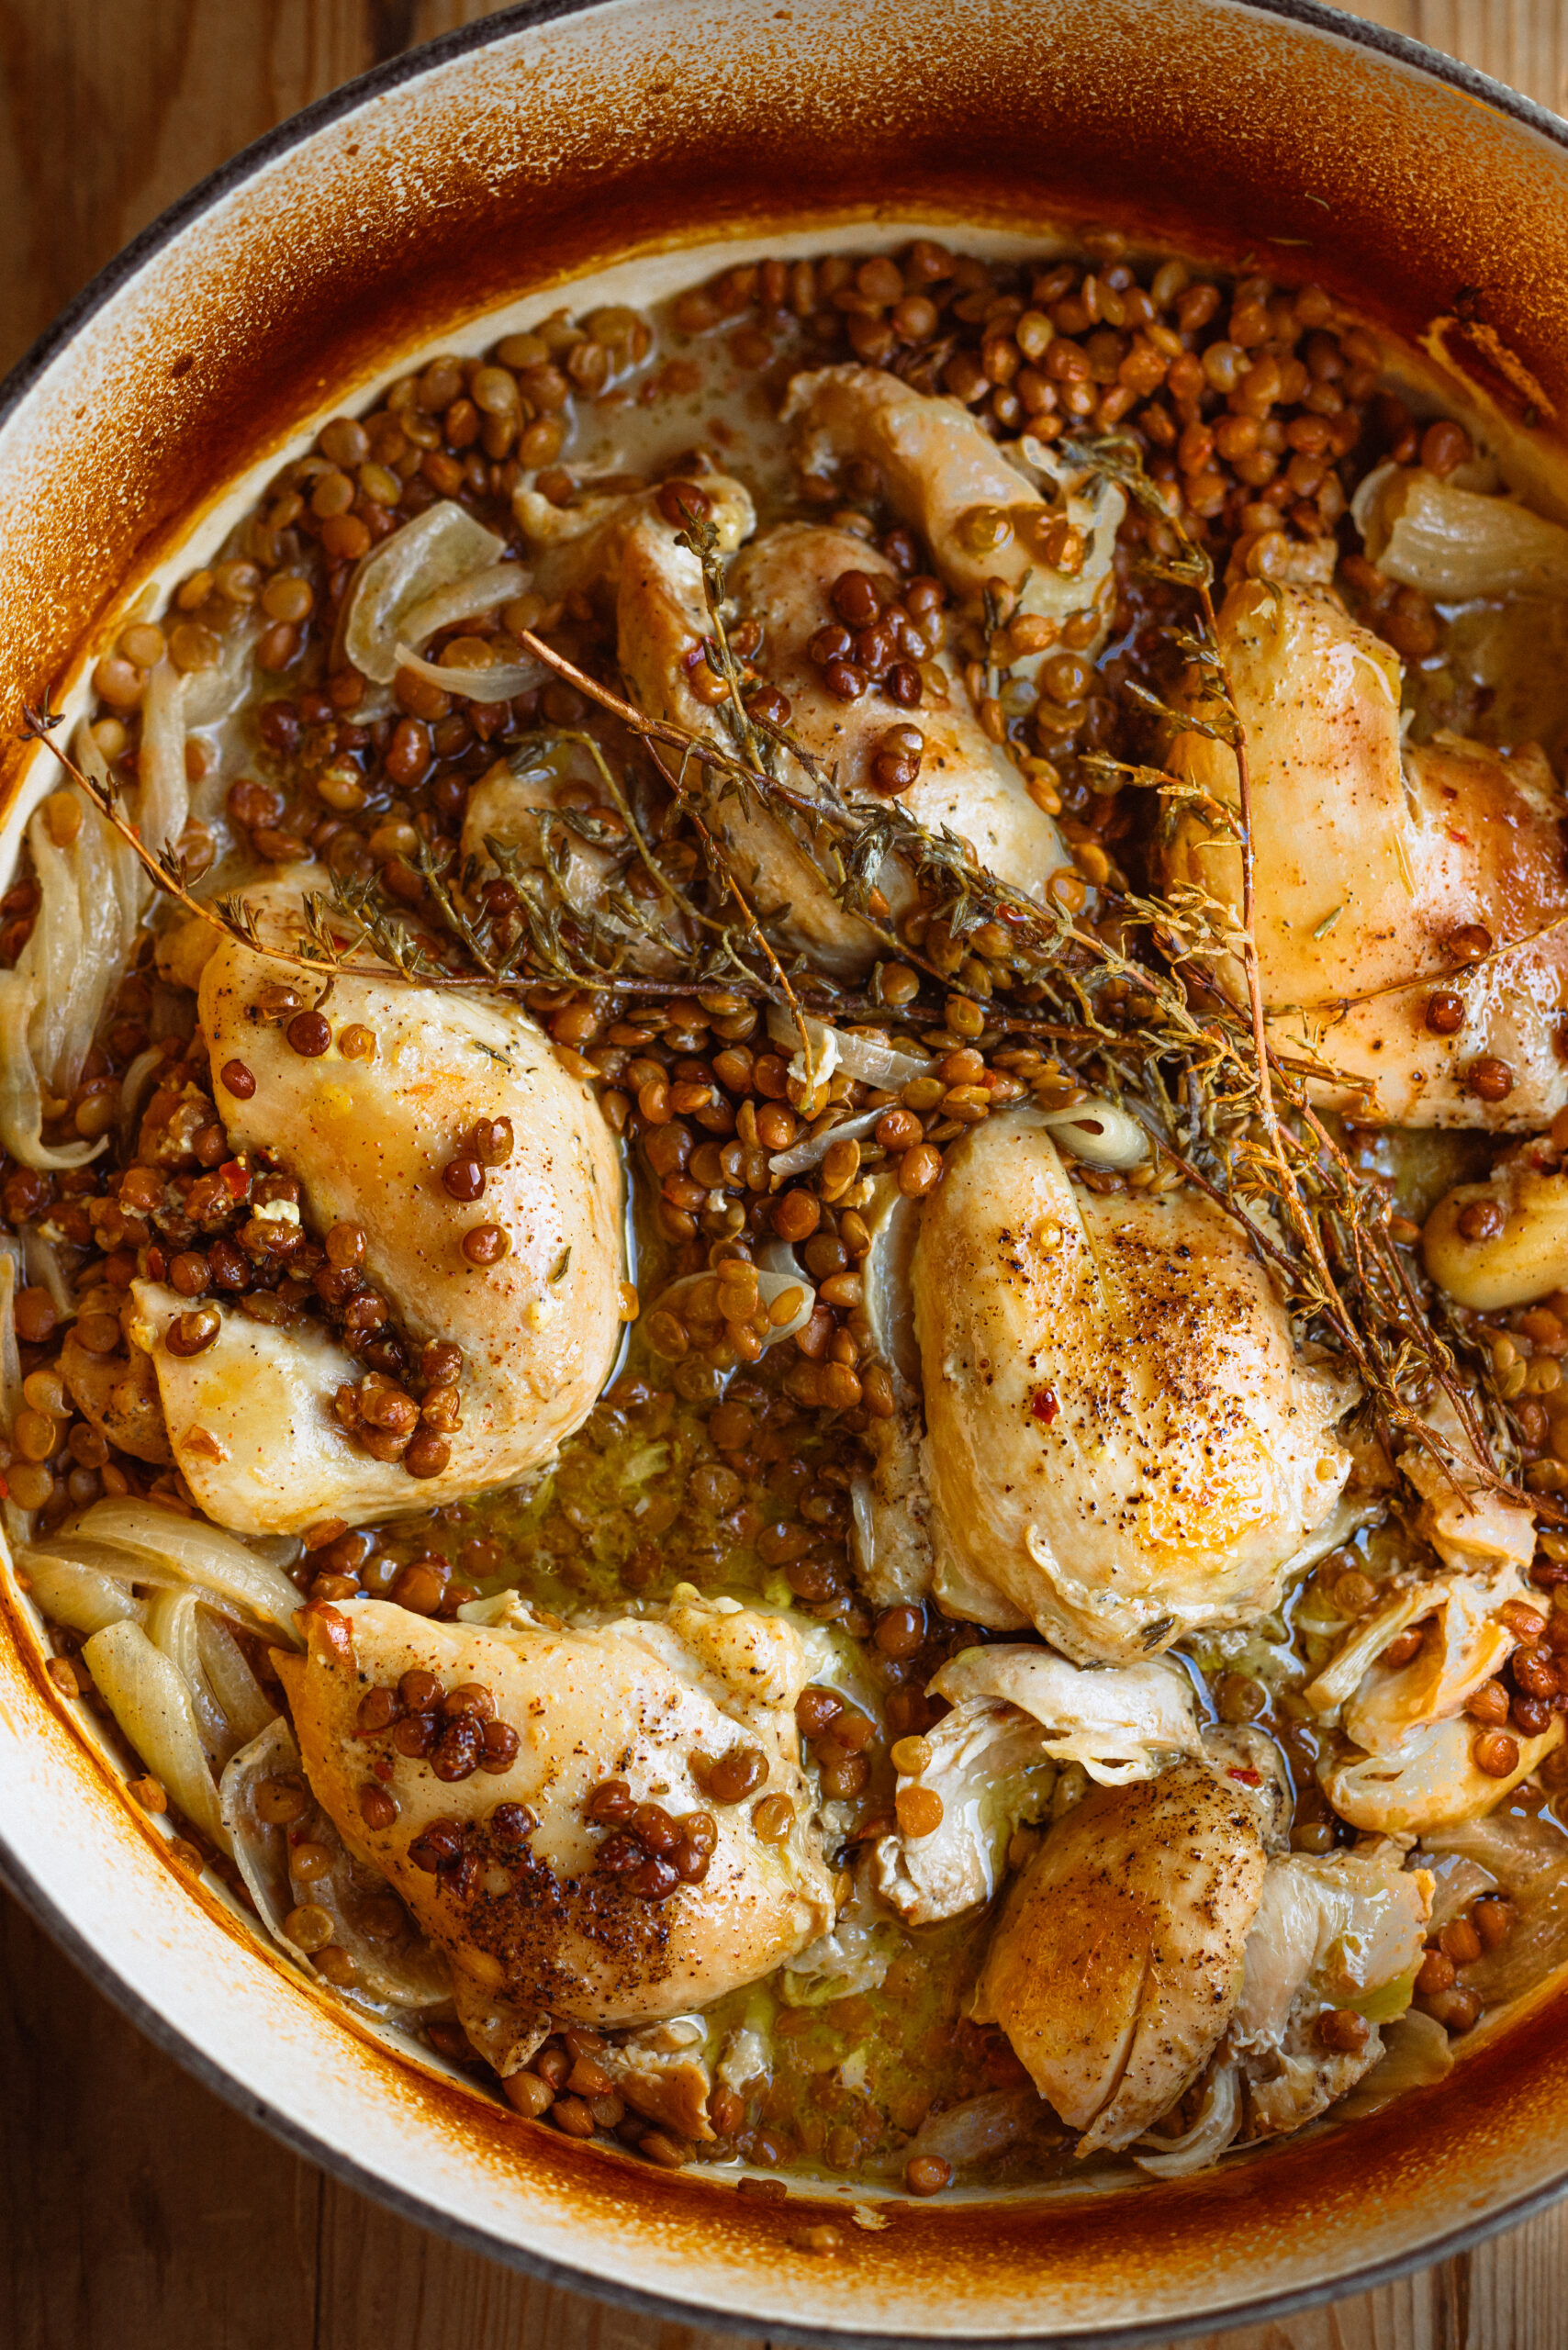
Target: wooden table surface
point(135, 2211)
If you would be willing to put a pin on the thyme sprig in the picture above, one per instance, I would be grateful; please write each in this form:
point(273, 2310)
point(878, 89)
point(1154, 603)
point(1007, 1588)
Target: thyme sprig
point(1232, 1108)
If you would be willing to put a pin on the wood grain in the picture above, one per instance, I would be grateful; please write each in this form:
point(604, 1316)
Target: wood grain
point(136, 2211)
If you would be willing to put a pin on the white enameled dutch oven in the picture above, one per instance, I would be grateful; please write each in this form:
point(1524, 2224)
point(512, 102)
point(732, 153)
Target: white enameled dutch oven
point(586, 154)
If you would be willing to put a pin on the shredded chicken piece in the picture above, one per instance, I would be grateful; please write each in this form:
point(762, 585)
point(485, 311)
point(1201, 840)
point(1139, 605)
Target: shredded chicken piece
point(1466, 1523)
point(1018, 1713)
point(1341, 1930)
point(1407, 1763)
point(661, 2071)
point(944, 475)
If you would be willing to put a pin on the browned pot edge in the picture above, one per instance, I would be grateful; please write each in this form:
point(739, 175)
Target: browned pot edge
point(1065, 2248)
point(944, 2234)
point(290, 303)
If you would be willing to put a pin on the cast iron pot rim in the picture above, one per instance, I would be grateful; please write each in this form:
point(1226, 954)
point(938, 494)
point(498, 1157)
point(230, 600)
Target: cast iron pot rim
point(166, 2035)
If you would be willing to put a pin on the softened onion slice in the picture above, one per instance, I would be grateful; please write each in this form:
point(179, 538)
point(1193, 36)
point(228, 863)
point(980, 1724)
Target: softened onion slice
point(1098, 1132)
point(869, 1060)
point(172, 1626)
point(150, 1699)
point(409, 568)
point(85, 1598)
point(1416, 2050)
point(979, 2127)
point(886, 1276)
point(772, 1283)
point(156, 1546)
point(412, 1978)
point(464, 600)
point(813, 1147)
point(246, 1707)
point(1456, 542)
point(1219, 2118)
point(496, 684)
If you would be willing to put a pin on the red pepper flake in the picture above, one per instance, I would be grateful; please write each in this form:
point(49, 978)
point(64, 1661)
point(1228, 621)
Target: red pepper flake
point(1454, 834)
point(1248, 1778)
point(236, 1176)
point(1044, 1406)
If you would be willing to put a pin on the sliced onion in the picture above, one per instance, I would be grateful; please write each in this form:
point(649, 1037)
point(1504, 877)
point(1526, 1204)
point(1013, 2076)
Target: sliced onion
point(887, 1277)
point(165, 798)
point(413, 1977)
point(1366, 502)
point(1415, 2051)
point(135, 1087)
point(246, 1707)
point(83, 1597)
point(21, 1095)
point(80, 946)
point(212, 695)
point(171, 1625)
point(10, 1352)
point(1456, 542)
point(442, 545)
point(1098, 1132)
point(1459, 1880)
point(1219, 2118)
point(1526, 1856)
point(148, 1698)
point(260, 1848)
point(132, 887)
point(500, 684)
point(813, 1147)
point(477, 591)
point(387, 1979)
point(55, 952)
point(869, 1060)
point(165, 1548)
point(40, 1259)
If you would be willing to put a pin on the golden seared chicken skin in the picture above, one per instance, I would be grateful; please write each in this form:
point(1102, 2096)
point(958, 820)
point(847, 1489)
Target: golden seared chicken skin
point(1120, 1950)
point(1124, 1444)
point(911, 737)
point(1406, 893)
point(1159, 1933)
point(368, 1137)
point(606, 1825)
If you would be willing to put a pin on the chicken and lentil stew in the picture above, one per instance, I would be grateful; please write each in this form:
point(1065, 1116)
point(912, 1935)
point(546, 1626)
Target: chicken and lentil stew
point(786, 1251)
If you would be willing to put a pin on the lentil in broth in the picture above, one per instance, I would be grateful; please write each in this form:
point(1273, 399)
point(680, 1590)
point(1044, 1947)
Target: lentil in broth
point(723, 1461)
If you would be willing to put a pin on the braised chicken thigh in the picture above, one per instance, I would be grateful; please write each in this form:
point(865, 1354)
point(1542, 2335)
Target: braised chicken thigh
point(928, 753)
point(366, 1141)
point(784, 1261)
point(1124, 1443)
point(1410, 896)
point(506, 1851)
